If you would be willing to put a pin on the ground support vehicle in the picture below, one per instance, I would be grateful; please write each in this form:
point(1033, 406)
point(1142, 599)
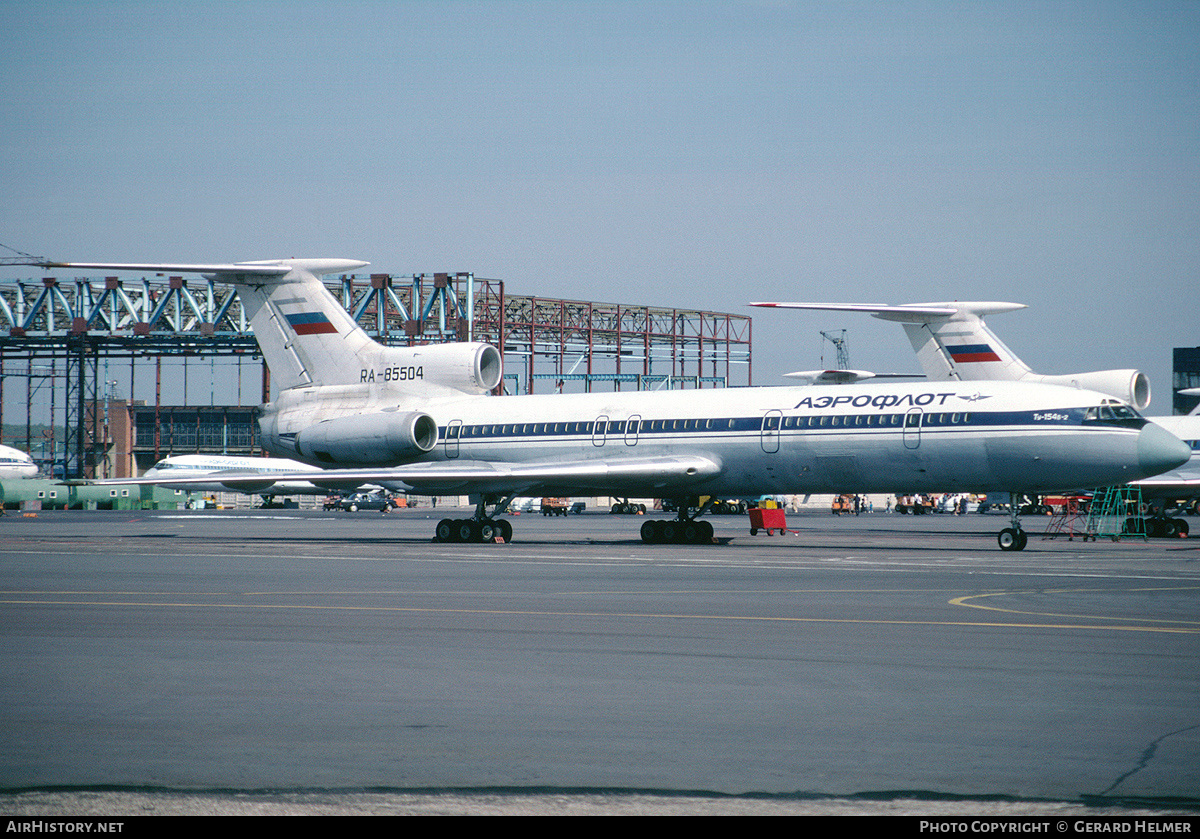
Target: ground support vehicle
point(767, 519)
point(554, 507)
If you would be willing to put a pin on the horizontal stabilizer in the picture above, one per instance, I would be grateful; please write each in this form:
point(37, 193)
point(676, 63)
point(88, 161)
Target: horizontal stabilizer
point(263, 268)
point(906, 313)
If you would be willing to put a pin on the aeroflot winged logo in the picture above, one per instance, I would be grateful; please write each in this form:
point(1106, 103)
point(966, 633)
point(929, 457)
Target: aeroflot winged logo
point(311, 323)
point(964, 353)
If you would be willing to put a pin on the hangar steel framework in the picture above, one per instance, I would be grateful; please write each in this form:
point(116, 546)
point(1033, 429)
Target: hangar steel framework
point(60, 334)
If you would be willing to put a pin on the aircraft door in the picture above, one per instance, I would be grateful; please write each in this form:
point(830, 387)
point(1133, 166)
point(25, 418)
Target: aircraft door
point(770, 431)
point(912, 428)
point(453, 433)
point(600, 430)
point(632, 426)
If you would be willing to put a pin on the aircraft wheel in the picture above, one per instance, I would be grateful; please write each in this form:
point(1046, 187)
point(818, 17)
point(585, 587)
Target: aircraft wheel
point(445, 530)
point(690, 533)
point(487, 531)
point(504, 529)
point(466, 530)
point(670, 531)
point(650, 533)
point(706, 532)
point(1182, 528)
point(1011, 539)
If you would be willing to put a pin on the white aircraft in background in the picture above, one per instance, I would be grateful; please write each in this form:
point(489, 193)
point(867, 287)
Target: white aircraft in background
point(1178, 487)
point(953, 342)
point(209, 472)
point(15, 463)
point(423, 415)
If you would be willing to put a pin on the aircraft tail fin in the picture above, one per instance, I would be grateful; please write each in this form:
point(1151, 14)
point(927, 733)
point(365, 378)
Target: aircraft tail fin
point(960, 345)
point(308, 338)
point(953, 342)
point(951, 339)
point(284, 301)
point(956, 343)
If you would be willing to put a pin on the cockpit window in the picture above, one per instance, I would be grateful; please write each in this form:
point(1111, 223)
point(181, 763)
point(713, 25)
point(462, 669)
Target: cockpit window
point(1111, 412)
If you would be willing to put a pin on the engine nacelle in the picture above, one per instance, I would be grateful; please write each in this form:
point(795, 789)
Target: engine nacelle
point(467, 368)
point(387, 438)
point(1132, 386)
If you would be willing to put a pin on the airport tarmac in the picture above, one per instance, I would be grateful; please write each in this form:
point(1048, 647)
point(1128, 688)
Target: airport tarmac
point(857, 661)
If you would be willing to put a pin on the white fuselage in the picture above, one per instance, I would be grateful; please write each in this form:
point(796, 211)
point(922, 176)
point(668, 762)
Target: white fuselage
point(15, 463)
point(1182, 484)
point(945, 436)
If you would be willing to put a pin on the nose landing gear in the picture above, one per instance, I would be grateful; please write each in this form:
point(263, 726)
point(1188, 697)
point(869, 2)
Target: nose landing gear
point(1013, 538)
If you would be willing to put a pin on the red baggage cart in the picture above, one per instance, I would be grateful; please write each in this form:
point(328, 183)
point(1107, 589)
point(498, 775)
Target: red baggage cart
point(768, 520)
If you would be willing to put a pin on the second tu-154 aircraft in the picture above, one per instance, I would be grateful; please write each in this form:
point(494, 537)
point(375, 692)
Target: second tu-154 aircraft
point(424, 416)
point(953, 342)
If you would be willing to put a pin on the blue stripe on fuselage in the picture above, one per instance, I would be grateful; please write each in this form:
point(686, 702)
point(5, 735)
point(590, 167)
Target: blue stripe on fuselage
point(941, 420)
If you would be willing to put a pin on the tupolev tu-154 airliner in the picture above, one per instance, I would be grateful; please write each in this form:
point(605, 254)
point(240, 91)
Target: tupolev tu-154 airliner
point(953, 342)
point(424, 416)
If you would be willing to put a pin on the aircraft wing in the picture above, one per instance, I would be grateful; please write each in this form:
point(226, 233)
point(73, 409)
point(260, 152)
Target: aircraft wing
point(626, 475)
point(1184, 426)
point(1180, 483)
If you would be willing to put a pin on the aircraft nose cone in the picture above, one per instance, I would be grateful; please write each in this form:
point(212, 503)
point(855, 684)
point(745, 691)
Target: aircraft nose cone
point(1160, 451)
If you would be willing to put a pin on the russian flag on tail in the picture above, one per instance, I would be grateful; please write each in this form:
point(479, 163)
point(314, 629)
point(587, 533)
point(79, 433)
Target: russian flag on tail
point(311, 323)
point(964, 353)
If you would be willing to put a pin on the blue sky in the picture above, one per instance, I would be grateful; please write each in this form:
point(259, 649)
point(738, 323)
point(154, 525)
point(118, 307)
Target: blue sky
point(674, 153)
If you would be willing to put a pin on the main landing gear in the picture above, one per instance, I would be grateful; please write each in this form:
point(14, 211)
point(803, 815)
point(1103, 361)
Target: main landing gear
point(473, 530)
point(480, 528)
point(684, 530)
point(1013, 538)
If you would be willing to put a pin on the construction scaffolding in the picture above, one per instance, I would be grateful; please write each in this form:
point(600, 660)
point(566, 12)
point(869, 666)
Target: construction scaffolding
point(77, 327)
